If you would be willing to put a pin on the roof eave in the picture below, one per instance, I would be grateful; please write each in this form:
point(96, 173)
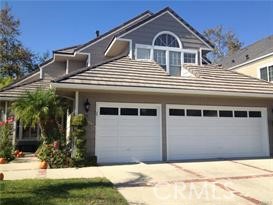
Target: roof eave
point(73, 86)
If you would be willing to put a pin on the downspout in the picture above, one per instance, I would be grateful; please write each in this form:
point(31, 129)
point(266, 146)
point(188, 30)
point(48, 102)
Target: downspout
point(67, 67)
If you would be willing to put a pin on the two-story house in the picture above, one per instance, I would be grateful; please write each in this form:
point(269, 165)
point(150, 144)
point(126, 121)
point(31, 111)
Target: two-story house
point(152, 97)
point(255, 60)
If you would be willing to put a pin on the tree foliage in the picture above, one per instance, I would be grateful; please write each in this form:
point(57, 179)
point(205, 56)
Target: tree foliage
point(225, 42)
point(5, 81)
point(15, 60)
point(42, 107)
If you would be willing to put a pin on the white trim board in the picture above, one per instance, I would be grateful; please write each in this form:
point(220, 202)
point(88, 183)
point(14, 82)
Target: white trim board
point(121, 39)
point(23, 80)
point(157, 90)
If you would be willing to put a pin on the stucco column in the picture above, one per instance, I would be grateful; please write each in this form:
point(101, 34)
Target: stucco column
point(6, 111)
point(76, 102)
point(68, 119)
point(14, 132)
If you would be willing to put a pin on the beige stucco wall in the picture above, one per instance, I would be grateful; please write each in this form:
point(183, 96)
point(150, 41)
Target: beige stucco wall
point(163, 100)
point(253, 69)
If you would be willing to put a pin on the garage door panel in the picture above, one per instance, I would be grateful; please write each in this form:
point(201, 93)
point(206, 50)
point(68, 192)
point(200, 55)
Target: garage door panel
point(191, 137)
point(135, 137)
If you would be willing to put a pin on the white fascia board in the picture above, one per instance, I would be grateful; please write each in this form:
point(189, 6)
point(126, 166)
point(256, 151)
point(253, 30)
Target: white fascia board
point(120, 39)
point(111, 45)
point(8, 98)
point(23, 80)
point(74, 54)
point(251, 61)
point(156, 90)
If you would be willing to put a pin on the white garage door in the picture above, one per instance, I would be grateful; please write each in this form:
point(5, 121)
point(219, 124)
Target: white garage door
point(198, 132)
point(128, 132)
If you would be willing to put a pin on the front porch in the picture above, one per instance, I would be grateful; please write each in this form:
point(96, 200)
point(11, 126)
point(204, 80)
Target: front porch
point(28, 138)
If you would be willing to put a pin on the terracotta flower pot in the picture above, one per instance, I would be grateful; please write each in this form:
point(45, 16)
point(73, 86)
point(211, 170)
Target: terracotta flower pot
point(21, 154)
point(43, 165)
point(16, 152)
point(3, 160)
point(1, 176)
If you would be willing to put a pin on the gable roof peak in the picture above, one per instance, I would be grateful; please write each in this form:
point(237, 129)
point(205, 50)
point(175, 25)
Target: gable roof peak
point(177, 17)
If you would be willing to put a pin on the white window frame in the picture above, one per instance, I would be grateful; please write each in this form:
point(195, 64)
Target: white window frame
point(167, 49)
point(267, 69)
point(145, 47)
point(191, 51)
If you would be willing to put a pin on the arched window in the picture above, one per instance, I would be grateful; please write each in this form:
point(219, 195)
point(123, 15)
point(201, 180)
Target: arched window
point(167, 53)
point(166, 40)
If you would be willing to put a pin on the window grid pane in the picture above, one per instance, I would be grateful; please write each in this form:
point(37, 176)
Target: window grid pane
point(177, 112)
point(160, 57)
point(143, 53)
point(263, 73)
point(240, 113)
point(128, 111)
point(108, 111)
point(148, 112)
point(255, 114)
point(166, 40)
point(225, 113)
point(175, 63)
point(189, 57)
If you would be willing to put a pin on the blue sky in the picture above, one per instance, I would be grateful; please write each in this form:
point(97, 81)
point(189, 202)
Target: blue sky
point(49, 25)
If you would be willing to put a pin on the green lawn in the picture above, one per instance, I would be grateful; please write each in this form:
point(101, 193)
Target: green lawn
point(59, 192)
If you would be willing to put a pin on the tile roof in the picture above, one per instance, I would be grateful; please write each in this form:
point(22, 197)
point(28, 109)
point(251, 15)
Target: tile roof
point(13, 92)
point(251, 52)
point(132, 73)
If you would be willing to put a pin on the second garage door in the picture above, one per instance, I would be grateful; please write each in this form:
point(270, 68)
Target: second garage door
point(128, 132)
point(198, 132)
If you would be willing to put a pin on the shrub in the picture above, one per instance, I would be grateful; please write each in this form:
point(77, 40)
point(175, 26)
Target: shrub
point(55, 157)
point(78, 122)
point(6, 148)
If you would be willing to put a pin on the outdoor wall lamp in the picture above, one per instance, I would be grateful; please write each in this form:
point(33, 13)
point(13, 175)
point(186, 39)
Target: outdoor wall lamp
point(86, 106)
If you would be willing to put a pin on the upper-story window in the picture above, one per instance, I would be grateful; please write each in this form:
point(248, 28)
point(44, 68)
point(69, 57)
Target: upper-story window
point(166, 40)
point(266, 73)
point(167, 51)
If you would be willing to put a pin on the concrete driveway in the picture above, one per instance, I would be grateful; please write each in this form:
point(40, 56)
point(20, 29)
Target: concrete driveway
point(216, 182)
point(238, 182)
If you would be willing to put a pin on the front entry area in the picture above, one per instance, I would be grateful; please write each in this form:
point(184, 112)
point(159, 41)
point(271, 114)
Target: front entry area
point(201, 132)
point(128, 132)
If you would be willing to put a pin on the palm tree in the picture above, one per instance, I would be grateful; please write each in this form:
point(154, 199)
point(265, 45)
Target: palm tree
point(42, 107)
